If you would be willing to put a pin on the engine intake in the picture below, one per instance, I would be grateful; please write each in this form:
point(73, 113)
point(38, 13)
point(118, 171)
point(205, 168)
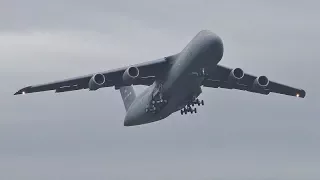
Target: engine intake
point(129, 75)
point(261, 82)
point(235, 75)
point(96, 82)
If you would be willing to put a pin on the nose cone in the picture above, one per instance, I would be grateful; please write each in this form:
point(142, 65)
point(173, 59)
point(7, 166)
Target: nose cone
point(212, 41)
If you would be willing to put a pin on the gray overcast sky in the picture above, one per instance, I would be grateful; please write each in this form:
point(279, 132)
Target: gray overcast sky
point(80, 135)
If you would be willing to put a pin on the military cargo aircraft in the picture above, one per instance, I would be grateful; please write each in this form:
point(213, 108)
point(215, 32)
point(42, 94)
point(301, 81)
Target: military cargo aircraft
point(174, 82)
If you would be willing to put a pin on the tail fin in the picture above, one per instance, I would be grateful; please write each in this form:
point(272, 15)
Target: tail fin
point(128, 96)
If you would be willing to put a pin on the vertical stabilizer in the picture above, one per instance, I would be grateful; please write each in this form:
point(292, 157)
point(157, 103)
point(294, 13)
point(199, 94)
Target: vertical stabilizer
point(128, 96)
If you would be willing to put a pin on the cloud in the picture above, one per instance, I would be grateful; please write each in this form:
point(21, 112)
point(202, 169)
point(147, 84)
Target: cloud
point(80, 134)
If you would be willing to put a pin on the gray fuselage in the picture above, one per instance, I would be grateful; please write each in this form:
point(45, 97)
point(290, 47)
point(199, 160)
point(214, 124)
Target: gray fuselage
point(182, 82)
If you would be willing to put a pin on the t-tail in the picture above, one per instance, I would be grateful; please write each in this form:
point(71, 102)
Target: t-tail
point(128, 96)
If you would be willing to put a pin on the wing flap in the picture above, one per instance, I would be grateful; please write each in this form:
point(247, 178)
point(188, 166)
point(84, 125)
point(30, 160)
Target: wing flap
point(69, 88)
point(148, 72)
point(219, 79)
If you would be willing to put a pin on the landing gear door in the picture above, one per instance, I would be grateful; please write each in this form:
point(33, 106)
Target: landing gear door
point(157, 94)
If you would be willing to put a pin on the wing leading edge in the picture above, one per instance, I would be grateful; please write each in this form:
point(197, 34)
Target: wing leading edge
point(148, 72)
point(220, 79)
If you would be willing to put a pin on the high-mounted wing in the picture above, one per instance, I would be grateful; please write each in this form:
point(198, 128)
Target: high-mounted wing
point(146, 74)
point(224, 77)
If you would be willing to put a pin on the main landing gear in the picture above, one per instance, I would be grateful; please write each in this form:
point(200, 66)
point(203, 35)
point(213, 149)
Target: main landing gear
point(157, 102)
point(188, 107)
point(156, 105)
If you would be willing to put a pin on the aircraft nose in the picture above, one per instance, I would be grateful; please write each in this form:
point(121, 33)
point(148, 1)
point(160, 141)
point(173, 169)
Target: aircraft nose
point(213, 41)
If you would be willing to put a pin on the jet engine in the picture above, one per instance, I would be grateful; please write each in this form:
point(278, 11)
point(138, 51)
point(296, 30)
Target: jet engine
point(129, 75)
point(260, 83)
point(235, 75)
point(96, 82)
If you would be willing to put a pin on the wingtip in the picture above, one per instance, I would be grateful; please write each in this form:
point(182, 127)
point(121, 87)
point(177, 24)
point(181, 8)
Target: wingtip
point(301, 93)
point(18, 92)
point(22, 91)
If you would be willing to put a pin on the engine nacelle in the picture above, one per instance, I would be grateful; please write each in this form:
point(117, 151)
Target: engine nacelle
point(235, 75)
point(96, 82)
point(129, 75)
point(260, 82)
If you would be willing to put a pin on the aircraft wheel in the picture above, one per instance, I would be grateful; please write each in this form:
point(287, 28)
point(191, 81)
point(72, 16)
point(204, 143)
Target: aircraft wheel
point(195, 110)
point(202, 102)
